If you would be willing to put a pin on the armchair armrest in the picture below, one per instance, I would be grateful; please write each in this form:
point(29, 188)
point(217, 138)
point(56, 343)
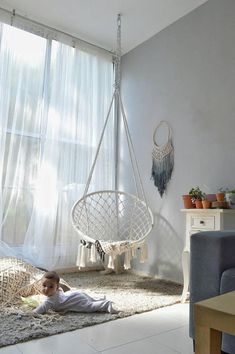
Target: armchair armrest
point(211, 253)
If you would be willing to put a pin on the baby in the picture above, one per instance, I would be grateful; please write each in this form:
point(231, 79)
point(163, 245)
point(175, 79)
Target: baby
point(75, 301)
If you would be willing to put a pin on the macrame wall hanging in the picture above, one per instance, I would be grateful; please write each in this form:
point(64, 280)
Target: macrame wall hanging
point(163, 160)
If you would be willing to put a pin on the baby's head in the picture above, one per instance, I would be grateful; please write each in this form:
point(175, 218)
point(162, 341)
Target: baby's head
point(50, 283)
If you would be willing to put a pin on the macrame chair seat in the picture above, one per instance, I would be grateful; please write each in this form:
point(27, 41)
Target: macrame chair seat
point(112, 216)
point(119, 222)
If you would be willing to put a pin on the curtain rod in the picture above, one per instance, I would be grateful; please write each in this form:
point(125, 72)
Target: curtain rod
point(13, 15)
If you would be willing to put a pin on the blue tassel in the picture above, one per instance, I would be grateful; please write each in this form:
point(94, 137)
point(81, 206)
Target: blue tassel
point(162, 168)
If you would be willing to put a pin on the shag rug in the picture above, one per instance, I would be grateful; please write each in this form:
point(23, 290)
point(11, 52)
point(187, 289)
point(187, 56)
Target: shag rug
point(131, 294)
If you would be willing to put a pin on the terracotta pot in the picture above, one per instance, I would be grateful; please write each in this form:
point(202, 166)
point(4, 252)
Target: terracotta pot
point(206, 204)
point(198, 204)
point(188, 204)
point(220, 197)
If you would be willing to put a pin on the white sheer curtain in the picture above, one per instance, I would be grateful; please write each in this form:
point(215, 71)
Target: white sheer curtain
point(53, 103)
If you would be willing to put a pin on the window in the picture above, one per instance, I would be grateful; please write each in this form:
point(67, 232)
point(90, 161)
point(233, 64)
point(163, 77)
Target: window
point(53, 104)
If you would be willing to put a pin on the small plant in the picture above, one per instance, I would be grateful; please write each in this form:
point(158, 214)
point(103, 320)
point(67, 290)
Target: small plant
point(232, 191)
point(220, 194)
point(222, 190)
point(196, 194)
point(230, 198)
point(204, 196)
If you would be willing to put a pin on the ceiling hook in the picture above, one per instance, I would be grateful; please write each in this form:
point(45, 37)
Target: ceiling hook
point(13, 16)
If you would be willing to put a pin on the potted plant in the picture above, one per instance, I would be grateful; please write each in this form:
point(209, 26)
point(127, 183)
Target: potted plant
point(206, 204)
point(187, 200)
point(197, 196)
point(230, 198)
point(220, 195)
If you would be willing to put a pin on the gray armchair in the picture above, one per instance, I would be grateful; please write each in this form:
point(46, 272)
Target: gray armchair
point(212, 272)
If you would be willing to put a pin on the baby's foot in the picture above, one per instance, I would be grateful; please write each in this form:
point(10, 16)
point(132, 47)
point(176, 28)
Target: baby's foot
point(111, 309)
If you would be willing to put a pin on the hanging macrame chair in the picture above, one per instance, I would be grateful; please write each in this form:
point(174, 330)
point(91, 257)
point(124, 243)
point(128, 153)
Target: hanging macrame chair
point(114, 221)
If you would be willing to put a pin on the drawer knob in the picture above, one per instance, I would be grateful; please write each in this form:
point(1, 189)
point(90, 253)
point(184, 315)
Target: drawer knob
point(202, 222)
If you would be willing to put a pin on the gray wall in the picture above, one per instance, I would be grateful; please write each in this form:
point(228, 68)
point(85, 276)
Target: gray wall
point(185, 75)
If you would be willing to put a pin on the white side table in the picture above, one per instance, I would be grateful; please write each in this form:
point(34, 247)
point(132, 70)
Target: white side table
point(203, 220)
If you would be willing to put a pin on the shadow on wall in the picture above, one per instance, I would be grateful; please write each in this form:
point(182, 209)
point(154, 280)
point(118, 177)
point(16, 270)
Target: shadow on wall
point(165, 250)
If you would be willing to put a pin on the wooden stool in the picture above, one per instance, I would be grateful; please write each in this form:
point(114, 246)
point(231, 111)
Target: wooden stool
point(212, 317)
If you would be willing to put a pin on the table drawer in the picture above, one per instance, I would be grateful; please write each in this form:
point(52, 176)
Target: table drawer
point(203, 222)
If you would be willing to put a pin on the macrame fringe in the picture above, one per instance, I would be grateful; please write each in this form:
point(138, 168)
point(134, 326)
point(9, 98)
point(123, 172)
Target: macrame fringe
point(88, 252)
point(111, 264)
point(162, 171)
point(127, 260)
point(144, 253)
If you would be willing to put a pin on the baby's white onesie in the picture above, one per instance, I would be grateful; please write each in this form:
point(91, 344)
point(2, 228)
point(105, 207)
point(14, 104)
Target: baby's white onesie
point(75, 301)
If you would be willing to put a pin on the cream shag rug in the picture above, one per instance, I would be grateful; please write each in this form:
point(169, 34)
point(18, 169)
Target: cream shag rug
point(131, 294)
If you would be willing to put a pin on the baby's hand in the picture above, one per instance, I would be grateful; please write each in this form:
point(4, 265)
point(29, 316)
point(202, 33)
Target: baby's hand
point(28, 313)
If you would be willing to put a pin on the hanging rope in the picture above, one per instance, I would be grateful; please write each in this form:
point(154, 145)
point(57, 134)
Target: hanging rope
point(118, 55)
point(163, 160)
point(110, 221)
